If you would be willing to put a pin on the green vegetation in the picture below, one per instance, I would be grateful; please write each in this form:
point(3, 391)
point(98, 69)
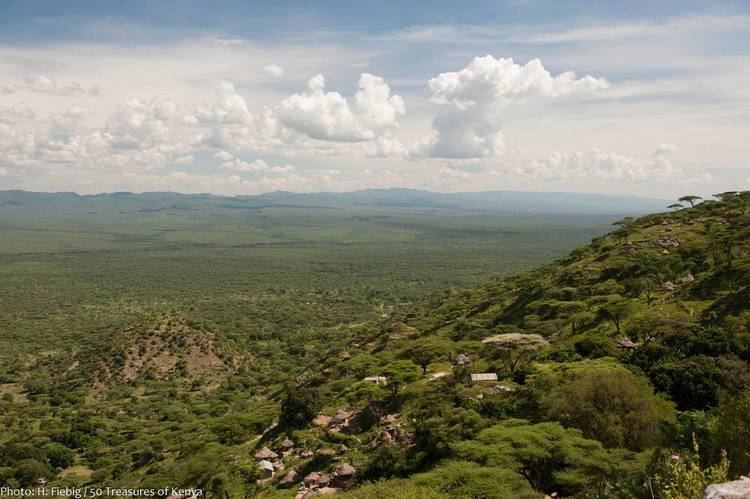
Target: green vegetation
point(174, 348)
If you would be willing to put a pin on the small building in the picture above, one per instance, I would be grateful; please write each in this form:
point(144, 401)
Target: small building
point(479, 377)
point(625, 343)
point(312, 479)
point(266, 454)
point(462, 360)
point(378, 380)
point(266, 469)
point(341, 417)
point(287, 445)
point(345, 475)
point(669, 286)
point(688, 278)
point(290, 479)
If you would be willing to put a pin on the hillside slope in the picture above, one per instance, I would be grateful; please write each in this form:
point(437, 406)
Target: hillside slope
point(605, 360)
point(620, 370)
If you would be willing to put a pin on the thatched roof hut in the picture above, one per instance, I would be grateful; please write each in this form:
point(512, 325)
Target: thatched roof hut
point(291, 478)
point(341, 417)
point(346, 470)
point(625, 343)
point(266, 454)
point(312, 479)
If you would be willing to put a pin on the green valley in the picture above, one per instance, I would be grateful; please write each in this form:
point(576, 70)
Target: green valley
point(374, 344)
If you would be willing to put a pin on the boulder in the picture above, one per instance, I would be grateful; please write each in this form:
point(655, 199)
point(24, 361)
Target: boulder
point(739, 489)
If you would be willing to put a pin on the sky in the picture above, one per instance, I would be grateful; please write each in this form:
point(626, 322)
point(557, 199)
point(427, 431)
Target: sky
point(650, 98)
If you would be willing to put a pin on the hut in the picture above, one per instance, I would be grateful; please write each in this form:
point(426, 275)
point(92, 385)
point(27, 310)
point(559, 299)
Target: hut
point(287, 445)
point(462, 360)
point(341, 418)
point(290, 479)
point(266, 454)
point(483, 377)
point(345, 475)
point(688, 278)
point(625, 343)
point(266, 469)
point(378, 380)
point(312, 479)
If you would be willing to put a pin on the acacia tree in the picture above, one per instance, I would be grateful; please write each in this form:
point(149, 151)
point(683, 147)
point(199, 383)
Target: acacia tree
point(399, 373)
point(690, 199)
point(626, 227)
point(675, 206)
point(615, 309)
point(424, 352)
point(515, 347)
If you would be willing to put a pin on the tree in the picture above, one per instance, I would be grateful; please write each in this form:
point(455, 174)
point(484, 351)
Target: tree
point(400, 372)
point(299, 407)
point(424, 351)
point(466, 479)
point(675, 206)
point(626, 227)
point(606, 402)
point(550, 457)
point(514, 347)
point(616, 308)
point(690, 199)
point(59, 456)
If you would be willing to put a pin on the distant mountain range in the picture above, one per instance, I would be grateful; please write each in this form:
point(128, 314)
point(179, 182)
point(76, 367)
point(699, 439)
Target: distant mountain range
point(506, 202)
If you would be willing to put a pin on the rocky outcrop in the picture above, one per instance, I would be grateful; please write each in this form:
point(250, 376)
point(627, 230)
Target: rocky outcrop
point(739, 489)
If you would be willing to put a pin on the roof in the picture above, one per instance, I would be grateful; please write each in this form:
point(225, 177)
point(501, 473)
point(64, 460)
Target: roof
point(462, 358)
point(625, 343)
point(292, 477)
point(287, 443)
point(341, 416)
point(265, 465)
point(484, 377)
point(266, 453)
point(346, 469)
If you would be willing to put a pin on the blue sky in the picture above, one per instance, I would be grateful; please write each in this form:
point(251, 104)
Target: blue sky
point(642, 97)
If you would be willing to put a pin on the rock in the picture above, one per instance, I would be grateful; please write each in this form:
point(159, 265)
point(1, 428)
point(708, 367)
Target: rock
point(739, 489)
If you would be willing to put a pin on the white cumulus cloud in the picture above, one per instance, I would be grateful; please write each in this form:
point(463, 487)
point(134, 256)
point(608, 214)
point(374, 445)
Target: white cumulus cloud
point(601, 165)
point(329, 116)
point(470, 126)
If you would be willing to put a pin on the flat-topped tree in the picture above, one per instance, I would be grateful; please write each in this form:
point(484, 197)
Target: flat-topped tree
point(616, 308)
point(514, 347)
point(626, 227)
point(426, 350)
point(692, 199)
point(676, 206)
